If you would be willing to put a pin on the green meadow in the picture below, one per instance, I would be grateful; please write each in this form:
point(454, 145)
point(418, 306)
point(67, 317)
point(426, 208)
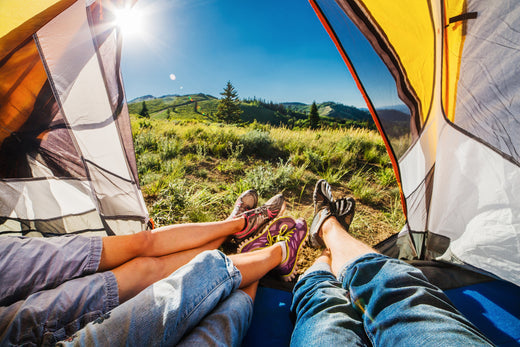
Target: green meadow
point(192, 169)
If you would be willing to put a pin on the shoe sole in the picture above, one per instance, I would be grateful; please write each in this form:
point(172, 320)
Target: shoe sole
point(327, 194)
point(250, 191)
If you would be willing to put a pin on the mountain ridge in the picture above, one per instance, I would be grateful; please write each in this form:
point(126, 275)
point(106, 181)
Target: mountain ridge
point(204, 106)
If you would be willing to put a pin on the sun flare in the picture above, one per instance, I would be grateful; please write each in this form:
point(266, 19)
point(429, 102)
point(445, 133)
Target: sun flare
point(130, 21)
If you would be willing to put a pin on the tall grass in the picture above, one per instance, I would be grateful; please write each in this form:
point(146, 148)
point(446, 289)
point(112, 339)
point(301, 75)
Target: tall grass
point(193, 171)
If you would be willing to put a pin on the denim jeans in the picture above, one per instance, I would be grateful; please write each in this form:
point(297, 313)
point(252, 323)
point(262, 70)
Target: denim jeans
point(377, 301)
point(198, 304)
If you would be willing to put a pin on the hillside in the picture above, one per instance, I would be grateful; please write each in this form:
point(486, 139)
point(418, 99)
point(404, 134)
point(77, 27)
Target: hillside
point(203, 107)
point(333, 110)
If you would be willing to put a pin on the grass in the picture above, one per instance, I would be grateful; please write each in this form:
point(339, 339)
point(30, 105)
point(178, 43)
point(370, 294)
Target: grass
point(192, 171)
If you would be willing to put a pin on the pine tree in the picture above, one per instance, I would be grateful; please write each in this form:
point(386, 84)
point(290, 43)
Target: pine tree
point(144, 111)
point(228, 109)
point(314, 117)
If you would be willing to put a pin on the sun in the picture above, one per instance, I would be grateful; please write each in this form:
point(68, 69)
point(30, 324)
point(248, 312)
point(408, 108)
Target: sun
point(130, 21)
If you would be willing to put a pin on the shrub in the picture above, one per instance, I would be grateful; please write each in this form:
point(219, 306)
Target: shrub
point(145, 141)
point(181, 201)
point(314, 161)
point(257, 143)
point(175, 168)
point(169, 149)
point(268, 180)
point(147, 162)
point(364, 190)
point(386, 177)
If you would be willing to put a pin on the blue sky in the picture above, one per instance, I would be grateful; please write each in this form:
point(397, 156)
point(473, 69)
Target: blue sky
point(271, 49)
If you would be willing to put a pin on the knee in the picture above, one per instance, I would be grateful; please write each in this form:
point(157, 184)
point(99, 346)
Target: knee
point(142, 242)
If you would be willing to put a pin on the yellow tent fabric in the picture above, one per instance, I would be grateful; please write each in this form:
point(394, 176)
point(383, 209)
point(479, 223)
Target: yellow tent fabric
point(453, 44)
point(408, 26)
point(456, 61)
point(18, 21)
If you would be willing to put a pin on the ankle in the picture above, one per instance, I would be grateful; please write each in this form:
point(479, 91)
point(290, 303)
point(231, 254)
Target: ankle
point(241, 224)
point(284, 251)
point(328, 225)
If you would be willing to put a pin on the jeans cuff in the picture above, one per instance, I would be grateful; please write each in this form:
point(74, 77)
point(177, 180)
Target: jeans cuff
point(233, 271)
point(316, 267)
point(342, 274)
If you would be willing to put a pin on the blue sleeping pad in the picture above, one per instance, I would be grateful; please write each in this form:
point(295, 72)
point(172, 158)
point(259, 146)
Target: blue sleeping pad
point(271, 324)
point(493, 307)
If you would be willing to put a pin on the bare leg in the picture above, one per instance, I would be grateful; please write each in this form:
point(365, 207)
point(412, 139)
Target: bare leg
point(343, 247)
point(255, 265)
point(165, 240)
point(138, 273)
point(324, 257)
point(251, 290)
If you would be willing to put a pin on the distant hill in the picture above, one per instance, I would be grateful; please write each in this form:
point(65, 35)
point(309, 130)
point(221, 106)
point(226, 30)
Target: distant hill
point(180, 106)
point(142, 98)
point(335, 110)
point(204, 106)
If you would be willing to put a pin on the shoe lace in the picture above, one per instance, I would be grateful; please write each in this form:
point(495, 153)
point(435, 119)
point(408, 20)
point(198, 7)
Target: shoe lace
point(267, 211)
point(271, 240)
point(285, 234)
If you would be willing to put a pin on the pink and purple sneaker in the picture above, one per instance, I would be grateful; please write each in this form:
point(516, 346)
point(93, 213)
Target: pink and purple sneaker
point(293, 240)
point(269, 236)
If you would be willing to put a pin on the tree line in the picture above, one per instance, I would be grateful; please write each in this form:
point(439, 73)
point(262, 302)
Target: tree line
point(229, 111)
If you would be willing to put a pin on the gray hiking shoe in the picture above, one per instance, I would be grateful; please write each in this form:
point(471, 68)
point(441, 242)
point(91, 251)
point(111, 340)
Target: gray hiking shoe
point(324, 207)
point(245, 202)
point(314, 237)
point(322, 196)
point(345, 209)
point(256, 219)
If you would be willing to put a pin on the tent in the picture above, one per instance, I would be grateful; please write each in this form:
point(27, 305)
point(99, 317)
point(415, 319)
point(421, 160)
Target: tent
point(67, 162)
point(440, 84)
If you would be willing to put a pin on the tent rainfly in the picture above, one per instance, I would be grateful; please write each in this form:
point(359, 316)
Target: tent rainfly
point(443, 88)
point(67, 162)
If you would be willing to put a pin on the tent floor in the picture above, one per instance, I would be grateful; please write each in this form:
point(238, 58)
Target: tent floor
point(494, 307)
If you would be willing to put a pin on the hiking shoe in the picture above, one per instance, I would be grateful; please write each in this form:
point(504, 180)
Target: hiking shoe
point(260, 216)
point(269, 236)
point(322, 196)
point(293, 240)
point(345, 209)
point(324, 207)
point(314, 237)
point(245, 202)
